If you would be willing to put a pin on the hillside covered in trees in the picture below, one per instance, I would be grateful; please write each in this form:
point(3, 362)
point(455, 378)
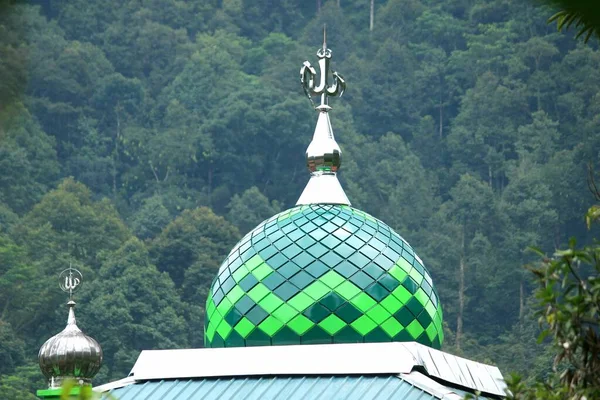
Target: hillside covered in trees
point(140, 139)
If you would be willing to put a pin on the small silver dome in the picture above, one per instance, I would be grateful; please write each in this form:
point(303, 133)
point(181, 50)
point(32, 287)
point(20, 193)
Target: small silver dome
point(71, 354)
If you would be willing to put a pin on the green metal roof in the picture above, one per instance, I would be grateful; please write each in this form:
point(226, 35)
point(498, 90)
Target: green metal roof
point(318, 274)
point(288, 388)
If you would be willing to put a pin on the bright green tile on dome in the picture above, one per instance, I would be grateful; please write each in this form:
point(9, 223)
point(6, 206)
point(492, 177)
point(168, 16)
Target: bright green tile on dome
point(262, 271)
point(210, 332)
point(316, 290)
point(285, 313)
point(431, 331)
point(240, 274)
point(270, 325)
point(415, 329)
point(347, 290)
point(416, 275)
point(378, 314)
point(258, 292)
point(332, 324)
point(364, 325)
point(392, 327)
point(223, 329)
point(244, 327)
point(300, 324)
point(254, 262)
point(301, 301)
point(363, 302)
point(224, 306)
point(234, 294)
point(332, 279)
point(391, 304)
point(270, 302)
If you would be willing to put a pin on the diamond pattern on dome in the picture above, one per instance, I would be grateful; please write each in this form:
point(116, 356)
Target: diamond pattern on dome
point(322, 274)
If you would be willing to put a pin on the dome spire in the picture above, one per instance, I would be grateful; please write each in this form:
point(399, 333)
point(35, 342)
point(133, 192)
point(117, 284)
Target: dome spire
point(323, 155)
point(71, 354)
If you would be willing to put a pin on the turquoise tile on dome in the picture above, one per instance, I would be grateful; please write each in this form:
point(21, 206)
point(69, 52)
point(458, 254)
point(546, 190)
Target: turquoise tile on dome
point(301, 280)
point(330, 241)
point(300, 221)
point(267, 252)
point(217, 341)
point(391, 254)
point(218, 296)
point(344, 250)
point(378, 244)
point(289, 228)
point(361, 280)
point(291, 251)
point(261, 244)
point(303, 259)
point(369, 251)
point(316, 268)
point(338, 221)
point(359, 260)
point(273, 280)
point(277, 260)
point(288, 270)
point(346, 269)
point(256, 315)
point(248, 283)
point(384, 262)
point(275, 236)
point(373, 270)
point(331, 259)
point(286, 291)
point(244, 304)
point(369, 230)
point(228, 284)
point(282, 243)
point(426, 288)
point(317, 250)
point(295, 235)
point(305, 242)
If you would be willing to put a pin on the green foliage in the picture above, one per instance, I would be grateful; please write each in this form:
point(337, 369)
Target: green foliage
point(584, 14)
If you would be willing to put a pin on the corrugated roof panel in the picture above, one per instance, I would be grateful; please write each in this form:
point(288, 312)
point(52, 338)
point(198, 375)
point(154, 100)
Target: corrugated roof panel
point(275, 388)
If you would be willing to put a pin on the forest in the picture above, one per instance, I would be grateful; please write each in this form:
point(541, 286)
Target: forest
point(140, 139)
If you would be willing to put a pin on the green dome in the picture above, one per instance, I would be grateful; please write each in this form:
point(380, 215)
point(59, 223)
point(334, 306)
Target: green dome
point(322, 274)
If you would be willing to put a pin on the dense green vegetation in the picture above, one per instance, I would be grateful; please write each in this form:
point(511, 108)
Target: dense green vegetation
point(140, 139)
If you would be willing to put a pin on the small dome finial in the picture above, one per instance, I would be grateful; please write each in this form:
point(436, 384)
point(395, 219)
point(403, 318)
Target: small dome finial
point(323, 155)
point(71, 354)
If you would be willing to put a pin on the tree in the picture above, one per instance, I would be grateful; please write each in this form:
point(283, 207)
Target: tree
point(250, 209)
point(193, 234)
point(585, 14)
point(130, 307)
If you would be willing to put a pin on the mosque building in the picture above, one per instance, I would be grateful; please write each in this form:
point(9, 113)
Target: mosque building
point(321, 301)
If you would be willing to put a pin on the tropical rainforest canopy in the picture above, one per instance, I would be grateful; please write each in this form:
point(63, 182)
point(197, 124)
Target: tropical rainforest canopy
point(140, 139)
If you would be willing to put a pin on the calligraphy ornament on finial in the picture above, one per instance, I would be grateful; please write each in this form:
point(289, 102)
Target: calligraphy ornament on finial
point(70, 280)
point(323, 89)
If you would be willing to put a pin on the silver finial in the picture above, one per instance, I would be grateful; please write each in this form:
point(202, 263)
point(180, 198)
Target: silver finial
point(70, 280)
point(323, 89)
point(323, 155)
point(71, 354)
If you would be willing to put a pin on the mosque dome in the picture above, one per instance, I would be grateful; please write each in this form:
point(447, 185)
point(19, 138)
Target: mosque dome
point(71, 354)
point(322, 272)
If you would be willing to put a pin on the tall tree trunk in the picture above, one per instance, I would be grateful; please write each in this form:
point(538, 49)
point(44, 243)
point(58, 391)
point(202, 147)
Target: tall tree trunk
point(339, 3)
point(115, 158)
point(461, 292)
point(521, 301)
point(441, 116)
point(372, 15)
